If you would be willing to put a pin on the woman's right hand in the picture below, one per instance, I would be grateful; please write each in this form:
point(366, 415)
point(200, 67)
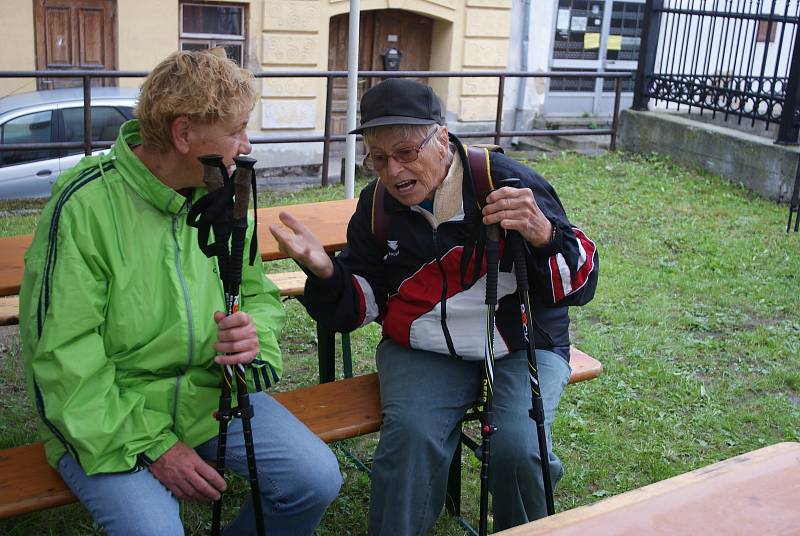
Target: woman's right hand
point(298, 242)
point(186, 475)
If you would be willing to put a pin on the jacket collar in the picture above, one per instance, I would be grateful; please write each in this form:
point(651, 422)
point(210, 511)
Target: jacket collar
point(138, 177)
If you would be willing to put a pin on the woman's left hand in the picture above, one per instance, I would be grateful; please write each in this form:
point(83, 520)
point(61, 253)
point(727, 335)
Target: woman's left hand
point(237, 338)
point(516, 209)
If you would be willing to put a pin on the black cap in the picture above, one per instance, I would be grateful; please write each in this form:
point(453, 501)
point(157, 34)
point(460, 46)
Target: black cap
point(399, 101)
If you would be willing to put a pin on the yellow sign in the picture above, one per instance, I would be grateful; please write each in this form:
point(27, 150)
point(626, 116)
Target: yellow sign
point(614, 42)
point(591, 40)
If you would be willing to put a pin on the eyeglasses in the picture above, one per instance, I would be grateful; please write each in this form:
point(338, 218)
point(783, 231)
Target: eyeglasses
point(376, 162)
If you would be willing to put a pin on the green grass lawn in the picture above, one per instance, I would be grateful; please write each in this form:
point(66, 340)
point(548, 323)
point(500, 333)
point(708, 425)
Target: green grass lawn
point(696, 321)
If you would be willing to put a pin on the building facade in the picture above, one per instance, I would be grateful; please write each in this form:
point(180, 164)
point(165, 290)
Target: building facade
point(311, 35)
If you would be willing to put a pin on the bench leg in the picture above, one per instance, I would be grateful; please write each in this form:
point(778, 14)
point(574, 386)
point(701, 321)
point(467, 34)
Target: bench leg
point(453, 497)
point(347, 357)
point(326, 352)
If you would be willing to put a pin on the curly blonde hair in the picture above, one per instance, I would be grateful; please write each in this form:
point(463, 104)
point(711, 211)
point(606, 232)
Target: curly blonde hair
point(203, 85)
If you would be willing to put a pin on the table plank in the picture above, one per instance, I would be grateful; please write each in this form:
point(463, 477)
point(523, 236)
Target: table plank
point(326, 219)
point(754, 493)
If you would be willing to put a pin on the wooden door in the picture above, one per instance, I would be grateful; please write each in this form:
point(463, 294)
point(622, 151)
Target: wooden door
point(379, 30)
point(75, 34)
point(409, 33)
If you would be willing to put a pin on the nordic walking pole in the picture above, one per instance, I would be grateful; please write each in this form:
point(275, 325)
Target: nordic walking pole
point(215, 177)
point(218, 211)
point(487, 426)
point(241, 183)
point(526, 315)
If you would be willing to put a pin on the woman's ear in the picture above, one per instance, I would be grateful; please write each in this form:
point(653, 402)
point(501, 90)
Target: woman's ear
point(179, 130)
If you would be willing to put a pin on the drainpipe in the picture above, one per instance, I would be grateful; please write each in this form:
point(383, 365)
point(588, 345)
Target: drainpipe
point(523, 66)
point(354, 18)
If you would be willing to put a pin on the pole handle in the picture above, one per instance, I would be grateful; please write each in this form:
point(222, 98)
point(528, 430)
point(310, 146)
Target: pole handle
point(241, 184)
point(492, 258)
point(516, 244)
point(214, 172)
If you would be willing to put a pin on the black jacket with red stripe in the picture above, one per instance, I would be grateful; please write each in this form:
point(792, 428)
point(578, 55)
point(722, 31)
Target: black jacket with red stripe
point(427, 295)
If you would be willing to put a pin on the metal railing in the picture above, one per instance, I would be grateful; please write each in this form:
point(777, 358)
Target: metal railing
point(735, 57)
point(328, 137)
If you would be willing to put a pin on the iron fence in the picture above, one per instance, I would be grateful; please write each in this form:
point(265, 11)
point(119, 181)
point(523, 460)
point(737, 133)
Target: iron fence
point(327, 136)
point(794, 204)
point(739, 58)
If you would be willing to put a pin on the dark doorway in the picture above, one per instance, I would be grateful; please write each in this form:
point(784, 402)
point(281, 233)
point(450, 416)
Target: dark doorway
point(409, 33)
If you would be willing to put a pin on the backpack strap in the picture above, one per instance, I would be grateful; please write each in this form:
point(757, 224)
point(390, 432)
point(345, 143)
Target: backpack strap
point(478, 159)
point(482, 185)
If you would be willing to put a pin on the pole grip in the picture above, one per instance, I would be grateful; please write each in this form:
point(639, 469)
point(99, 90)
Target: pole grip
point(241, 184)
point(213, 169)
point(492, 257)
point(515, 242)
point(241, 202)
point(520, 263)
point(235, 259)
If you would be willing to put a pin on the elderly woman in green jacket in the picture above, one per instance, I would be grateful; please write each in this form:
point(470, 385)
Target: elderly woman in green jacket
point(123, 332)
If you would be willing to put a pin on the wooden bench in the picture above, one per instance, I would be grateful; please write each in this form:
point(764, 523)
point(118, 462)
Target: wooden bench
point(334, 411)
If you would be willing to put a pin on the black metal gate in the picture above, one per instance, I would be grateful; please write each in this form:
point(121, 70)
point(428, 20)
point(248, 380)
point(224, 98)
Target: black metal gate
point(739, 58)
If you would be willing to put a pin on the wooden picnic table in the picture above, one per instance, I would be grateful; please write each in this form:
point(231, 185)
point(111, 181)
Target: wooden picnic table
point(751, 494)
point(327, 219)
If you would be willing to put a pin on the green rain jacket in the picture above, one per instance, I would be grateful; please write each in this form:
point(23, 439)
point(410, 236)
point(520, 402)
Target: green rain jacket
point(116, 317)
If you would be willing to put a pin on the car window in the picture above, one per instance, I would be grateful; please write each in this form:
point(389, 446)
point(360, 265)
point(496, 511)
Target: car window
point(106, 121)
point(30, 128)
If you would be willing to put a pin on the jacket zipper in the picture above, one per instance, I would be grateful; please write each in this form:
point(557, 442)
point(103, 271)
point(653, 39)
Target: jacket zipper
point(188, 305)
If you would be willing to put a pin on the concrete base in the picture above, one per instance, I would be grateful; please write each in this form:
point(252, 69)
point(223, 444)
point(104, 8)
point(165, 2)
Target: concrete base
point(285, 155)
point(753, 161)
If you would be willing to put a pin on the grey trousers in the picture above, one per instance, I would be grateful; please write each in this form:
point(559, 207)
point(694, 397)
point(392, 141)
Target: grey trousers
point(423, 398)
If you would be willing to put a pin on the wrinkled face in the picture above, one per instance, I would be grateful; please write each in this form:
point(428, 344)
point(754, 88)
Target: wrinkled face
point(227, 138)
point(411, 182)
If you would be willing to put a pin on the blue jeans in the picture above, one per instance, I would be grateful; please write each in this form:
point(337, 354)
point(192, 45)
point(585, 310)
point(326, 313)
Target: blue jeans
point(298, 478)
point(423, 398)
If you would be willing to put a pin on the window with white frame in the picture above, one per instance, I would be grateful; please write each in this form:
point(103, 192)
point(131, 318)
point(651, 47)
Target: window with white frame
point(207, 25)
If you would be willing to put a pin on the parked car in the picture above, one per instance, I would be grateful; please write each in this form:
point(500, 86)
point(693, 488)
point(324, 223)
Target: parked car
point(54, 116)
